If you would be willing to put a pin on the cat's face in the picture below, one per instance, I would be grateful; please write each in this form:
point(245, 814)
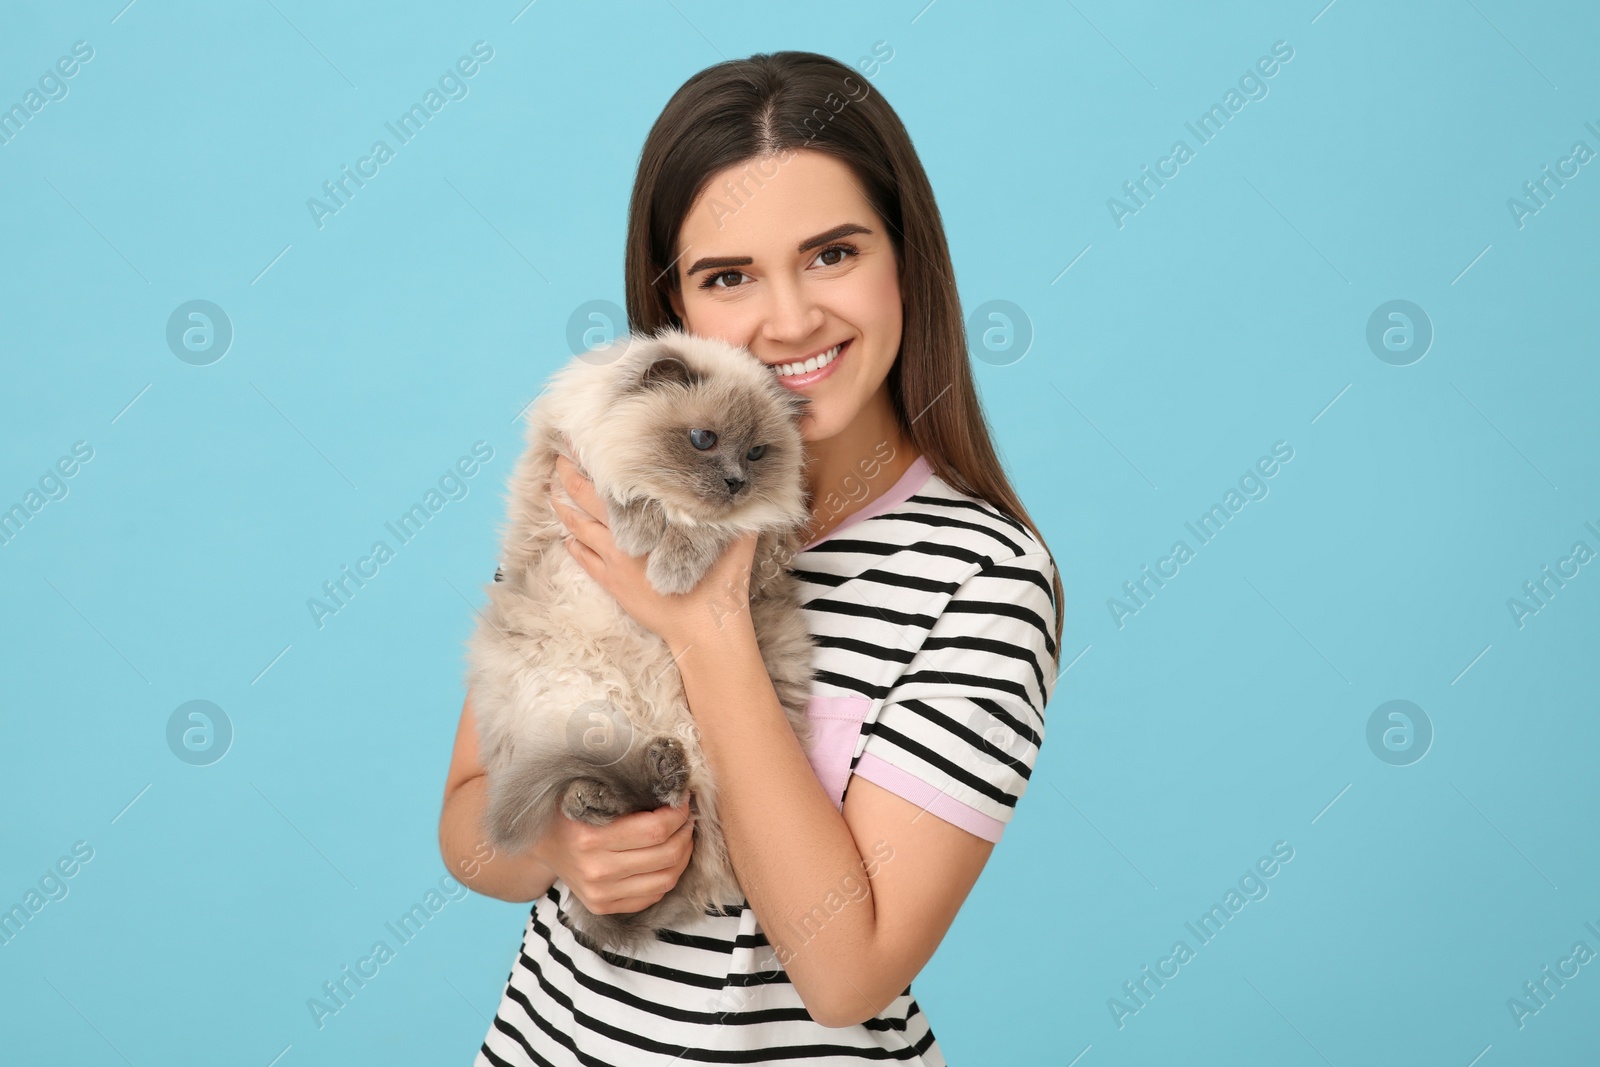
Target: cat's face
point(713, 436)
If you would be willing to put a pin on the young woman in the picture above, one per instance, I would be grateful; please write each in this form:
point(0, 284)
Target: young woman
point(779, 205)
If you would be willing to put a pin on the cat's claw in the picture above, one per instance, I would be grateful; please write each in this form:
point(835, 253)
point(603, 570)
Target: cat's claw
point(589, 800)
point(668, 767)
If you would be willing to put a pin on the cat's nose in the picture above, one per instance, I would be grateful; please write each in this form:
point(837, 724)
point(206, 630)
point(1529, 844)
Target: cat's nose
point(734, 485)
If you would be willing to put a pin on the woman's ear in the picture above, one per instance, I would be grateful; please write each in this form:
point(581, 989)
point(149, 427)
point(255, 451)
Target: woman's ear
point(675, 298)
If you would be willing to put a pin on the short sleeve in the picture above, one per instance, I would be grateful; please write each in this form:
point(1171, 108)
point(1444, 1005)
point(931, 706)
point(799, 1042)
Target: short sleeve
point(959, 731)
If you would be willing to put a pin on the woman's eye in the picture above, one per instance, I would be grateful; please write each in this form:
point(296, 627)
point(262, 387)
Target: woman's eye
point(837, 254)
point(711, 281)
point(702, 439)
point(756, 453)
point(845, 252)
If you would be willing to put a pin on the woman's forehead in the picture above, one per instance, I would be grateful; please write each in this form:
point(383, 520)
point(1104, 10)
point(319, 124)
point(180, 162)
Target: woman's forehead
point(770, 205)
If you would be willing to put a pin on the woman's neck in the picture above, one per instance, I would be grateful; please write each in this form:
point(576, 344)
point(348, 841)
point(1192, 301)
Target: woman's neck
point(856, 466)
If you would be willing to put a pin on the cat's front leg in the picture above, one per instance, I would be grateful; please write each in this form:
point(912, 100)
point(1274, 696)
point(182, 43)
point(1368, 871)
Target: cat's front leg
point(636, 526)
point(682, 557)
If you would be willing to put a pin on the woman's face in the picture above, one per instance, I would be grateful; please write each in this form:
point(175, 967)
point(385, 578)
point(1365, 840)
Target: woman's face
point(785, 256)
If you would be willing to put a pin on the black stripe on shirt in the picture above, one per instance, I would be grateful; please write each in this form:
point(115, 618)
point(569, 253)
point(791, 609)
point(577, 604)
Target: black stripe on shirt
point(933, 758)
point(880, 548)
point(1015, 611)
point(998, 648)
point(1003, 685)
point(865, 648)
point(945, 522)
point(871, 611)
point(880, 576)
point(972, 505)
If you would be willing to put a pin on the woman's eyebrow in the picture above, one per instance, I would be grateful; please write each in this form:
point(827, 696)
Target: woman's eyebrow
point(832, 235)
point(719, 262)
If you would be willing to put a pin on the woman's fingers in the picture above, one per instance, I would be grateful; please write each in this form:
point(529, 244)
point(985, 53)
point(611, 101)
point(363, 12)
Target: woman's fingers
point(581, 490)
point(577, 521)
point(648, 883)
point(635, 846)
point(638, 836)
point(655, 869)
point(585, 528)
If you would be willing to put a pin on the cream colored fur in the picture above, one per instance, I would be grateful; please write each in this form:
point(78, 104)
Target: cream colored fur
point(580, 710)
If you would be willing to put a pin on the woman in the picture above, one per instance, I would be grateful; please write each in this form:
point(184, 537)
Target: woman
point(779, 205)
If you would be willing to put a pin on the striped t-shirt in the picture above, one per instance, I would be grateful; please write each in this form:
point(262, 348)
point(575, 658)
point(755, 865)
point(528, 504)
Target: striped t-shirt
point(933, 618)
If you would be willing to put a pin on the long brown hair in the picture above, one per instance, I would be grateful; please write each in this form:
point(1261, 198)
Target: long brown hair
point(776, 103)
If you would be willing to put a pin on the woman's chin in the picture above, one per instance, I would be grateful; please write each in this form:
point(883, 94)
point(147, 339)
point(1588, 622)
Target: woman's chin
point(813, 430)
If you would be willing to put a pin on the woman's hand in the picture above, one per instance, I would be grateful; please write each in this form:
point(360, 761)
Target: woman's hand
point(624, 866)
point(721, 600)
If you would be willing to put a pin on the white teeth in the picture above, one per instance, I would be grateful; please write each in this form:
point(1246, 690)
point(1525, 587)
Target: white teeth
point(785, 370)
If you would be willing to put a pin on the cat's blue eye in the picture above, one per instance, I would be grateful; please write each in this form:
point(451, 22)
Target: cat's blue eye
point(702, 439)
point(756, 453)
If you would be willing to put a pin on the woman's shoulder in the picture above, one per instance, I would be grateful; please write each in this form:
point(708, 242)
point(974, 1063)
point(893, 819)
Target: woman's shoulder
point(923, 536)
point(974, 522)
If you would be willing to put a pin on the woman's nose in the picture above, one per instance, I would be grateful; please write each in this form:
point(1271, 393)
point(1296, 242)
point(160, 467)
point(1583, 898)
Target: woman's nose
point(791, 313)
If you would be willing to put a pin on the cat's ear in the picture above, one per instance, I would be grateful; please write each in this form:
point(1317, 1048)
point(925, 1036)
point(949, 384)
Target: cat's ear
point(666, 370)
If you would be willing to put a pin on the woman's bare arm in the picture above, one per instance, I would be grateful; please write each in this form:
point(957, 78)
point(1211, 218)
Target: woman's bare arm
point(519, 876)
point(624, 866)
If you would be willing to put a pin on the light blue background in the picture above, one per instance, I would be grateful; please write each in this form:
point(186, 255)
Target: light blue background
point(1228, 314)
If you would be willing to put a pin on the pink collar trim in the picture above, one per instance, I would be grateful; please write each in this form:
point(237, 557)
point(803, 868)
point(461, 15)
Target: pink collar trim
point(915, 477)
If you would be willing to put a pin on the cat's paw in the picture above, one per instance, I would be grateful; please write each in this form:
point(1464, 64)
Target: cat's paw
point(637, 526)
point(590, 800)
point(669, 576)
point(681, 559)
point(668, 767)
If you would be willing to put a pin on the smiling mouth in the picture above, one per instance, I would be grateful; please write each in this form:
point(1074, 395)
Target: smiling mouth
point(789, 370)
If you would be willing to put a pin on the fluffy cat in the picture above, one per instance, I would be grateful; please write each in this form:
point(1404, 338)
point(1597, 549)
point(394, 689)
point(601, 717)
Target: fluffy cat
point(691, 442)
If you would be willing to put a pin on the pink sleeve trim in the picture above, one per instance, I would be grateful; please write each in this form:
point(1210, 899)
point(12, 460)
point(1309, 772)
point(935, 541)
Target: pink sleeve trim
point(915, 477)
point(909, 787)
